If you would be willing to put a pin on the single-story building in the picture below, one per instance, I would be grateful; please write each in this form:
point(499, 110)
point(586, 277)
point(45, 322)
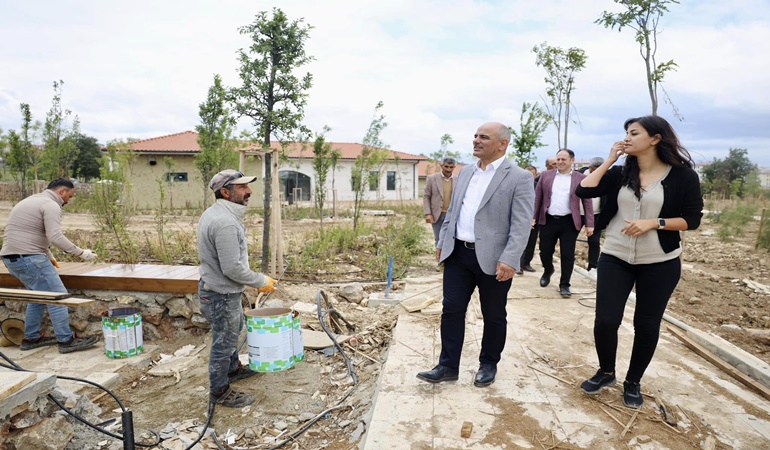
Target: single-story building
point(397, 178)
point(169, 160)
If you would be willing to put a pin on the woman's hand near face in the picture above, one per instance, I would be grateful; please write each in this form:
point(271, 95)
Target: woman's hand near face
point(618, 149)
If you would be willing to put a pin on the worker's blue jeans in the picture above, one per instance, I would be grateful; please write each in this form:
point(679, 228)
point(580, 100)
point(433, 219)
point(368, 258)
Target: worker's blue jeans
point(38, 274)
point(225, 314)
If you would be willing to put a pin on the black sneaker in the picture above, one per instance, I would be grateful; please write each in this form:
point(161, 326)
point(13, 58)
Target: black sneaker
point(42, 341)
point(240, 373)
point(596, 383)
point(632, 395)
point(232, 399)
point(76, 344)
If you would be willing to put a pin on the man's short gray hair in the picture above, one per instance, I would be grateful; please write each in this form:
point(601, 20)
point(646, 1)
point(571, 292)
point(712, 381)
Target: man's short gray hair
point(448, 160)
point(596, 161)
point(504, 133)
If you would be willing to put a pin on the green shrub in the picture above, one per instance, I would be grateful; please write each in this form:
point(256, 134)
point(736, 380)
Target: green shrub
point(733, 220)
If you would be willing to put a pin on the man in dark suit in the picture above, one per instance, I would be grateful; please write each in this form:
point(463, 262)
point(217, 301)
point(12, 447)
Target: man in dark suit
point(480, 244)
point(557, 211)
point(529, 250)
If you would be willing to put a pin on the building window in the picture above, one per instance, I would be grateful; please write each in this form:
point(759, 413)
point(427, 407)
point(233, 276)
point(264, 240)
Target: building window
point(391, 182)
point(374, 180)
point(176, 177)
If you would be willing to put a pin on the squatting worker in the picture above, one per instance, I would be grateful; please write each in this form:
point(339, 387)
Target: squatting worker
point(653, 196)
point(225, 273)
point(437, 194)
point(480, 244)
point(35, 224)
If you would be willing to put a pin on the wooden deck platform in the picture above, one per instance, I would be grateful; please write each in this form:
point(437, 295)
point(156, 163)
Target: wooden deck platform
point(121, 277)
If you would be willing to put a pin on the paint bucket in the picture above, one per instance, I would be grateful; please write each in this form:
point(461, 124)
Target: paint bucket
point(123, 333)
point(274, 337)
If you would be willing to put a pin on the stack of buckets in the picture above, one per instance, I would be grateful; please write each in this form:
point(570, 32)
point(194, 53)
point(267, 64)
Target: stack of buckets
point(123, 333)
point(274, 337)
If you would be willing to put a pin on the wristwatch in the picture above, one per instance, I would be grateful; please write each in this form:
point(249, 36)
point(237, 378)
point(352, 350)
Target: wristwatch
point(661, 223)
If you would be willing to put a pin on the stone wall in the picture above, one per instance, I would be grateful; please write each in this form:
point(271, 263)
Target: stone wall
point(165, 316)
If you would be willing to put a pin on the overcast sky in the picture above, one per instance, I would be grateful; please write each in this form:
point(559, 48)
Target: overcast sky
point(140, 69)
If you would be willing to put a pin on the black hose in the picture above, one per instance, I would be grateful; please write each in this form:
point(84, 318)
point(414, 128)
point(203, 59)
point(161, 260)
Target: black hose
point(14, 366)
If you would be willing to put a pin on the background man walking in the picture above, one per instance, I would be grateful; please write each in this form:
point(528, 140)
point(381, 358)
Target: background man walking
point(438, 193)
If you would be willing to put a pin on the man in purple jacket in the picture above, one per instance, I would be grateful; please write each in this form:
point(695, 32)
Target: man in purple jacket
point(557, 212)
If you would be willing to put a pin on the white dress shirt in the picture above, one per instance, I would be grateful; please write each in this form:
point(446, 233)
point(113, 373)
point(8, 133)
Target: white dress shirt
point(477, 186)
point(560, 195)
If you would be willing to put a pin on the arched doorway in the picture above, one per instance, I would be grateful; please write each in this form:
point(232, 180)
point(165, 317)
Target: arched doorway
point(293, 182)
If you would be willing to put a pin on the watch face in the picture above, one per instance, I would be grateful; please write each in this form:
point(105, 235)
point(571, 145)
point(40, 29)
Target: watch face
point(661, 223)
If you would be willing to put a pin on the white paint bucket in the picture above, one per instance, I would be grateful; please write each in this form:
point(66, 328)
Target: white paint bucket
point(123, 336)
point(274, 337)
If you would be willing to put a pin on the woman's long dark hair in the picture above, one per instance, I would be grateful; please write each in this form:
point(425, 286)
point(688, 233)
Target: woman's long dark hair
point(669, 150)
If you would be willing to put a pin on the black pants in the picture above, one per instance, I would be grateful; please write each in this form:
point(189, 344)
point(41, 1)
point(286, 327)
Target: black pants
point(594, 246)
point(654, 285)
point(560, 228)
point(529, 250)
point(462, 274)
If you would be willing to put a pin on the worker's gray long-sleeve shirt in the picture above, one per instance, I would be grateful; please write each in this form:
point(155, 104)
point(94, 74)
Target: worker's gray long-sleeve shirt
point(223, 249)
point(35, 224)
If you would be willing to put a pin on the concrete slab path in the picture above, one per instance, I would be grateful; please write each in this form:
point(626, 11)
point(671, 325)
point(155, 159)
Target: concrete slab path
point(536, 401)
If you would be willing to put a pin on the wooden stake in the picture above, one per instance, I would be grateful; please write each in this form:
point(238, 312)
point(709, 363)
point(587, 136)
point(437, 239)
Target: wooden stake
point(717, 361)
point(613, 417)
point(628, 425)
point(552, 376)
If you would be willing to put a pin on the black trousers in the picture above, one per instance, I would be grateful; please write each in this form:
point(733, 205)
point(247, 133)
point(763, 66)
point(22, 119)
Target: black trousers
point(462, 274)
point(654, 285)
point(561, 229)
point(594, 246)
point(529, 250)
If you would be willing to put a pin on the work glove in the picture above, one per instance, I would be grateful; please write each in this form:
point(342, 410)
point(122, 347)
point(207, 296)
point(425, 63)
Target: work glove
point(269, 287)
point(55, 263)
point(87, 255)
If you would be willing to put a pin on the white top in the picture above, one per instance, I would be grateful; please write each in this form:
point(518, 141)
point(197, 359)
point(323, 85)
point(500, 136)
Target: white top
point(560, 195)
point(477, 186)
point(646, 248)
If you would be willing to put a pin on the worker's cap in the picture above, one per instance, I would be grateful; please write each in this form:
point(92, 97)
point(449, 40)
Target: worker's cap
point(227, 177)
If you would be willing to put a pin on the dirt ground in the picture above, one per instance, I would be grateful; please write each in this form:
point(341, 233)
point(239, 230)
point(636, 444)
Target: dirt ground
point(712, 296)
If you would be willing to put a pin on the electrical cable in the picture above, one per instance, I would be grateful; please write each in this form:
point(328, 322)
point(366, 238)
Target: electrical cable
point(14, 366)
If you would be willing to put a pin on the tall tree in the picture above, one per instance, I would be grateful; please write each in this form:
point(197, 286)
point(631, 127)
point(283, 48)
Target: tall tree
point(324, 157)
point(721, 174)
point(560, 67)
point(443, 151)
point(365, 172)
point(215, 137)
point(270, 92)
point(23, 155)
point(89, 157)
point(60, 151)
point(643, 16)
point(527, 138)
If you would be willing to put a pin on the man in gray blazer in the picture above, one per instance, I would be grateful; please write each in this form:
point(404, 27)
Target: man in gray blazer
point(438, 192)
point(480, 244)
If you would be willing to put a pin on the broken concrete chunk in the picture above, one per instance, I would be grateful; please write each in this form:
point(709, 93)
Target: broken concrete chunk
point(352, 292)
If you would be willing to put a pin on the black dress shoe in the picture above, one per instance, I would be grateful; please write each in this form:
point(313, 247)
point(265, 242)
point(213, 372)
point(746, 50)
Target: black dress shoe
point(565, 292)
point(528, 268)
point(438, 374)
point(545, 279)
point(485, 376)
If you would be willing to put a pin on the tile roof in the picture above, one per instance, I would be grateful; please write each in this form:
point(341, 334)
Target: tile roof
point(347, 151)
point(425, 168)
point(187, 142)
point(184, 142)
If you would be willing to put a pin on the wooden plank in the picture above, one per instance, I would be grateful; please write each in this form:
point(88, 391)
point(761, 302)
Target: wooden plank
point(71, 301)
point(11, 382)
point(25, 293)
point(717, 361)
